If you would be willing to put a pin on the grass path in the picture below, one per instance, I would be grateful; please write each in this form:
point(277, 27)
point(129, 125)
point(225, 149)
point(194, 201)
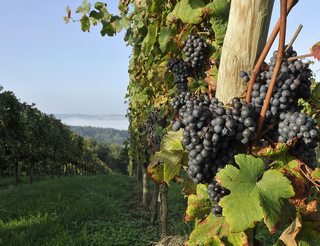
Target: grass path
point(89, 210)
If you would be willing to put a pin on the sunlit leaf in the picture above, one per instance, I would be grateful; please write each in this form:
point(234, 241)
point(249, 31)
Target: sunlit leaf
point(251, 198)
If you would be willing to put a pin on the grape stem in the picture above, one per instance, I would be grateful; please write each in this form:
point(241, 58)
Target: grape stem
point(296, 34)
point(180, 36)
point(283, 22)
point(299, 57)
point(257, 68)
point(308, 177)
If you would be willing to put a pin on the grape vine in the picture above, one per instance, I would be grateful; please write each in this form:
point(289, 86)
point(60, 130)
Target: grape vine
point(244, 173)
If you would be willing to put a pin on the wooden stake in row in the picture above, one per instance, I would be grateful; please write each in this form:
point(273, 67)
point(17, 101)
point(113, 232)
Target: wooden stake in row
point(257, 67)
point(283, 23)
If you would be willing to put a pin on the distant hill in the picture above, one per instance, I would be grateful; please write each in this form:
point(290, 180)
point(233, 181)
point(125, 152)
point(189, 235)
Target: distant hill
point(102, 135)
point(115, 121)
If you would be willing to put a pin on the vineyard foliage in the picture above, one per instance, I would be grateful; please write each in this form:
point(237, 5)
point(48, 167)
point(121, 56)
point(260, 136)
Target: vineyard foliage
point(269, 189)
point(34, 143)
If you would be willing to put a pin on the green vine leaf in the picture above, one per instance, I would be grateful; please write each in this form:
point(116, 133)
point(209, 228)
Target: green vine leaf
point(199, 204)
point(306, 107)
point(164, 38)
point(172, 161)
point(150, 39)
point(316, 174)
point(100, 6)
point(252, 199)
point(172, 141)
point(84, 8)
point(188, 11)
point(107, 28)
point(213, 227)
point(315, 91)
point(85, 23)
point(219, 9)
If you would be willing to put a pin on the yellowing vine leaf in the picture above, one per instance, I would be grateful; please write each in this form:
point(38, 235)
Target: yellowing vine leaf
point(199, 204)
point(300, 185)
point(289, 235)
point(269, 151)
point(211, 228)
point(155, 171)
point(188, 187)
point(251, 198)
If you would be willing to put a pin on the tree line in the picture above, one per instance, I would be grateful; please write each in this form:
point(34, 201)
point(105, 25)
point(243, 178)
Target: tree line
point(33, 143)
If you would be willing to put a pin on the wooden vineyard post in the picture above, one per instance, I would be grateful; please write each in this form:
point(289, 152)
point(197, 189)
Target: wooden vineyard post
point(164, 209)
point(245, 38)
point(154, 204)
point(145, 187)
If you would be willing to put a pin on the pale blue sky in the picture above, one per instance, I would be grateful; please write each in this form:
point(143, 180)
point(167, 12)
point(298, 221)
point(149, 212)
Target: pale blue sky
point(64, 70)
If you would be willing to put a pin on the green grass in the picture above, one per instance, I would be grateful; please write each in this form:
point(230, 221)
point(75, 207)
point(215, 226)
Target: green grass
point(82, 210)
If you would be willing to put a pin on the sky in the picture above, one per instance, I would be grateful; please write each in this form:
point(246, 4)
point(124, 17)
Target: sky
point(64, 71)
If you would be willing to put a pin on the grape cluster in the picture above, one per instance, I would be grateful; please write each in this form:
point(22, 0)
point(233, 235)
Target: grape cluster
point(293, 82)
point(179, 101)
point(154, 139)
point(245, 76)
point(211, 132)
point(216, 192)
point(297, 125)
point(195, 49)
point(180, 71)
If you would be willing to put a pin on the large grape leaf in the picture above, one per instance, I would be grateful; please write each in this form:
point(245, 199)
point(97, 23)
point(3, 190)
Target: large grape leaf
point(251, 198)
point(214, 227)
point(199, 204)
